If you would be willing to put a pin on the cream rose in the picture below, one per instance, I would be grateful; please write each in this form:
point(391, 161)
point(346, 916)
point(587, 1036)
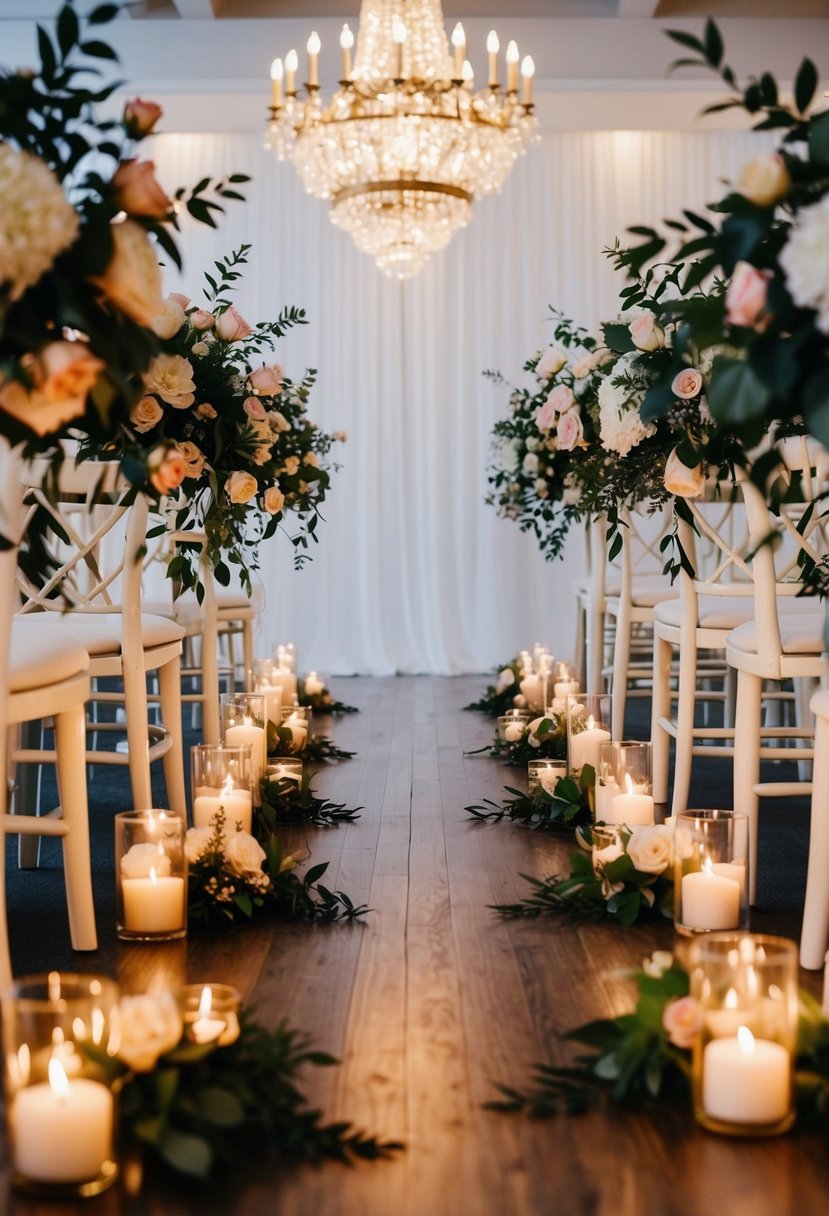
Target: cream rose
point(561, 399)
point(506, 679)
point(170, 377)
point(169, 320)
point(278, 421)
point(166, 468)
point(682, 481)
point(244, 854)
point(657, 964)
point(266, 380)
point(232, 326)
point(545, 416)
point(274, 500)
point(645, 333)
point(132, 280)
point(291, 465)
point(146, 414)
point(240, 486)
point(254, 408)
point(137, 192)
point(149, 1026)
point(199, 349)
point(201, 319)
point(551, 361)
point(746, 297)
point(766, 180)
point(530, 464)
point(570, 431)
point(196, 841)
point(541, 488)
point(682, 1021)
point(193, 456)
point(687, 384)
point(650, 849)
point(140, 117)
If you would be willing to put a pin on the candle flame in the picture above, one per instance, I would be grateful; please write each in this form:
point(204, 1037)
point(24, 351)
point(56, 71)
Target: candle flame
point(153, 875)
point(731, 999)
point(746, 1040)
point(707, 867)
point(205, 1002)
point(591, 723)
point(628, 784)
point(227, 786)
point(58, 1078)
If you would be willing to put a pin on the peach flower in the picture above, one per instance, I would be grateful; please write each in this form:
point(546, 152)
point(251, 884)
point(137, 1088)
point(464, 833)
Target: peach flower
point(146, 414)
point(166, 467)
point(682, 481)
point(254, 408)
point(274, 500)
point(765, 181)
point(232, 326)
point(682, 1021)
point(266, 380)
point(137, 192)
point(240, 486)
point(570, 431)
point(645, 333)
point(201, 319)
point(747, 296)
point(132, 279)
point(140, 117)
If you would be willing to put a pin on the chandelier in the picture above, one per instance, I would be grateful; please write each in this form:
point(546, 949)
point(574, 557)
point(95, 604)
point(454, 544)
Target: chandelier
point(405, 144)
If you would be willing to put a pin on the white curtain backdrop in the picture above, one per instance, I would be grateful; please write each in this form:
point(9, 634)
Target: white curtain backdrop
point(414, 573)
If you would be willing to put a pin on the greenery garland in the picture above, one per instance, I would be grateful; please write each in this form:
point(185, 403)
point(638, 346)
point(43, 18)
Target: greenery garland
point(500, 696)
point(284, 802)
point(567, 808)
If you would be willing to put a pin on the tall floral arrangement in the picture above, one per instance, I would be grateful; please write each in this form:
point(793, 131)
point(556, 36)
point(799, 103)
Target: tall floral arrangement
point(81, 223)
point(225, 433)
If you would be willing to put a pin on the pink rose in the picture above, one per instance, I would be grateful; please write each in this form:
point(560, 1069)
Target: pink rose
point(232, 326)
point(166, 467)
point(682, 1021)
point(561, 398)
point(687, 383)
point(137, 192)
point(201, 319)
point(746, 298)
point(645, 333)
point(266, 380)
point(140, 117)
point(179, 298)
point(254, 408)
point(570, 431)
point(545, 417)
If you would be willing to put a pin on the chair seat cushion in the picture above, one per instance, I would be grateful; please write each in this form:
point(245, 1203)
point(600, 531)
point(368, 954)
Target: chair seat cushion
point(40, 655)
point(99, 633)
point(801, 632)
point(647, 590)
point(715, 611)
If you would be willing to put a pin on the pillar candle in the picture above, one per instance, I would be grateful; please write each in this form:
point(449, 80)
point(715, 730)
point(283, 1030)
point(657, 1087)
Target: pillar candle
point(153, 904)
point(746, 1080)
point(584, 746)
point(256, 736)
point(710, 901)
point(62, 1129)
point(631, 808)
point(236, 804)
point(284, 678)
point(273, 700)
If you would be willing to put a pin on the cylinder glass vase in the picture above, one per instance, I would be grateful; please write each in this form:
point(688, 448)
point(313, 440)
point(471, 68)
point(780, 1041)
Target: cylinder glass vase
point(710, 872)
point(151, 876)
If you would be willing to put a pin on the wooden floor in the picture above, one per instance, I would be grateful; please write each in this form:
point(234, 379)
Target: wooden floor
point(433, 999)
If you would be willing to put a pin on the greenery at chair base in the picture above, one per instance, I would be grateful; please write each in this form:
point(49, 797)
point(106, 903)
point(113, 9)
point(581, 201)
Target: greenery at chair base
point(541, 739)
point(499, 697)
point(285, 803)
point(567, 808)
point(319, 749)
point(324, 702)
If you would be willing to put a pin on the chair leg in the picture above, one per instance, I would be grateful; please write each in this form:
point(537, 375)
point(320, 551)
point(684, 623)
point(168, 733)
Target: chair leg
point(661, 708)
point(730, 696)
point(135, 705)
point(747, 765)
point(169, 683)
point(686, 703)
point(621, 662)
point(247, 655)
point(595, 647)
point(815, 933)
point(581, 660)
point(804, 689)
point(27, 795)
point(70, 750)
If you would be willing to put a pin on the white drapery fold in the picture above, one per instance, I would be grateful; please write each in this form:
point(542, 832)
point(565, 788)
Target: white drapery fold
point(414, 573)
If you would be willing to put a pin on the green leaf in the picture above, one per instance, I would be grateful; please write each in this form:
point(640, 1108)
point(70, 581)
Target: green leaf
point(315, 873)
point(819, 139)
point(686, 39)
point(735, 393)
point(98, 50)
point(186, 1153)
point(713, 43)
point(816, 401)
point(220, 1107)
point(103, 14)
point(67, 29)
point(805, 84)
point(618, 338)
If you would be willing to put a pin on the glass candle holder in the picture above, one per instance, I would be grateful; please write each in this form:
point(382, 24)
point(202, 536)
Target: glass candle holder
point(284, 655)
point(294, 731)
point(624, 785)
point(525, 662)
point(743, 1063)
point(264, 684)
point(151, 876)
point(609, 841)
point(282, 770)
point(710, 872)
point(534, 686)
point(222, 782)
point(61, 1110)
point(244, 721)
point(545, 775)
point(511, 725)
point(564, 680)
point(588, 725)
point(315, 684)
point(210, 1013)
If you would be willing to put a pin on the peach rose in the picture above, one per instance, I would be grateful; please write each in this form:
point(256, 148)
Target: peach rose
point(166, 468)
point(570, 431)
point(266, 380)
point(132, 280)
point(551, 361)
point(645, 333)
point(545, 416)
point(146, 414)
point(254, 408)
point(687, 383)
point(140, 117)
point(274, 500)
point(291, 465)
point(201, 319)
point(766, 180)
point(682, 1021)
point(67, 369)
point(278, 421)
point(747, 296)
point(232, 326)
point(35, 411)
point(205, 410)
point(193, 458)
point(682, 481)
point(169, 320)
point(312, 459)
point(170, 377)
point(240, 486)
point(137, 192)
point(179, 298)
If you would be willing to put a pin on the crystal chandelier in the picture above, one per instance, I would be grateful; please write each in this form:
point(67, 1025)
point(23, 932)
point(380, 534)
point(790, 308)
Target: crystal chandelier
point(406, 143)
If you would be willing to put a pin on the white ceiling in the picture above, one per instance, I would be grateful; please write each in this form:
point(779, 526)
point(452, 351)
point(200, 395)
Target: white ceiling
point(37, 10)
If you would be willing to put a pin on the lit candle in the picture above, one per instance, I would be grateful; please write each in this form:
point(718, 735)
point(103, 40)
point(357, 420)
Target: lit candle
point(276, 83)
point(398, 35)
point(285, 678)
point(236, 804)
point(532, 688)
point(273, 699)
point(512, 67)
point(632, 806)
point(153, 904)
point(256, 736)
point(62, 1130)
point(291, 65)
point(732, 869)
point(565, 688)
point(746, 1080)
point(493, 46)
point(313, 684)
point(346, 43)
point(312, 46)
point(584, 745)
point(459, 44)
point(286, 772)
point(604, 795)
point(206, 1029)
point(728, 1020)
point(709, 900)
point(299, 731)
point(527, 73)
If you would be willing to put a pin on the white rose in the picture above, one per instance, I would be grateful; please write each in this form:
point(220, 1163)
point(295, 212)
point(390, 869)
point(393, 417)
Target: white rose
point(645, 333)
point(680, 480)
point(549, 778)
point(146, 414)
point(141, 858)
point(766, 180)
point(804, 259)
point(650, 849)
point(582, 368)
point(149, 1026)
point(604, 857)
point(240, 486)
point(530, 465)
point(195, 842)
point(514, 731)
point(168, 320)
point(551, 361)
point(170, 377)
point(244, 854)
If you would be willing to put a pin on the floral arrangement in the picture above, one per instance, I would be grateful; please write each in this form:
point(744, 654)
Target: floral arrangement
point(643, 1058)
point(231, 431)
point(231, 875)
point(500, 696)
point(762, 330)
point(315, 693)
point(624, 879)
point(285, 802)
point(314, 749)
point(200, 1109)
point(541, 739)
point(564, 806)
point(82, 222)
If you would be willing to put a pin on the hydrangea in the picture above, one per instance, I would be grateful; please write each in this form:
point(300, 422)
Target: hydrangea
point(805, 261)
point(620, 425)
point(36, 222)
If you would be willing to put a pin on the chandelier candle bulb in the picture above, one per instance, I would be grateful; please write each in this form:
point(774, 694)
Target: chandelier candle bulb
point(493, 46)
point(467, 74)
point(346, 43)
point(512, 67)
point(291, 65)
point(459, 45)
point(313, 47)
point(277, 73)
point(527, 73)
point(398, 36)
